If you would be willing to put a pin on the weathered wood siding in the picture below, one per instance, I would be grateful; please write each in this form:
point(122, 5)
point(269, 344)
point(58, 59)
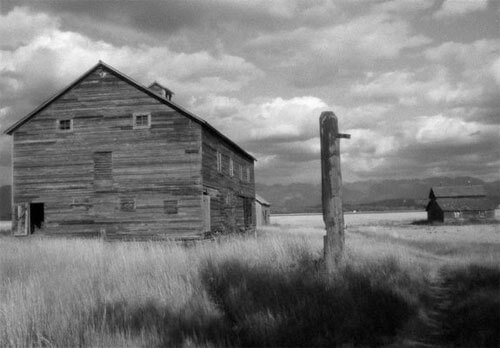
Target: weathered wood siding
point(262, 214)
point(227, 193)
point(155, 188)
point(461, 216)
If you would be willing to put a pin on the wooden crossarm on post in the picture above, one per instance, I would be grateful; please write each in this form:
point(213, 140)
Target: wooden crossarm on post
point(343, 135)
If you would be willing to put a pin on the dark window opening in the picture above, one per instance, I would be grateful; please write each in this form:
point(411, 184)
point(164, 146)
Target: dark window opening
point(170, 207)
point(65, 125)
point(142, 120)
point(37, 216)
point(219, 162)
point(103, 170)
point(127, 204)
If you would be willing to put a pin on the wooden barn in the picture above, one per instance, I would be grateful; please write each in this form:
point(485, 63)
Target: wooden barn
point(262, 211)
point(459, 203)
point(109, 156)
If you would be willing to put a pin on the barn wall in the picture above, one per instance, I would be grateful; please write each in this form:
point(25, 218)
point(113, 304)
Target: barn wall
point(266, 215)
point(451, 216)
point(434, 212)
point(258, 214)
point(159, 168)
point(263, 214)
point(228, 194)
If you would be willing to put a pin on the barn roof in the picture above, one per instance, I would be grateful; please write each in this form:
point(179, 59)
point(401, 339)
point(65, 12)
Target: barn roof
point(137, 85)
point(465, 204)
point(457, 191)
point(261, 200)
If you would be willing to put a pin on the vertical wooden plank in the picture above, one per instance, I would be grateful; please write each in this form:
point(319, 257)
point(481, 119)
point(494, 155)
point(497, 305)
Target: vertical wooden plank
point(22, 220)
point(206, 212)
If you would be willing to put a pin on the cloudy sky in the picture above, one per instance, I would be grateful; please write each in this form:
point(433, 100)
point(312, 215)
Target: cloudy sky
point(416, 83)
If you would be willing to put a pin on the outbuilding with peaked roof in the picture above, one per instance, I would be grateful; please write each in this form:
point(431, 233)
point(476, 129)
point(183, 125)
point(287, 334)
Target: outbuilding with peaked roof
point(262, 211)
point(459, 203)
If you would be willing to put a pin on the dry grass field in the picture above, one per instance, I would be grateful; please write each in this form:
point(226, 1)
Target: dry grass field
point(400, 285)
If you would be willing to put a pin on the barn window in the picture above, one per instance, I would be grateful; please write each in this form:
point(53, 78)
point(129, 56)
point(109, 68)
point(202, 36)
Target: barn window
point(219, 162)
point(170, 207)
point(241, 172)
point(247, 174)
point(231, 167)
point(142, 120)
point(65, 125)
point(127, 204)
point(103, 170)
point(103, 165)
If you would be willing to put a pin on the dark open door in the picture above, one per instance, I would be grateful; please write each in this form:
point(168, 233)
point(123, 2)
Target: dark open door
point(247, 211)
point(37, 216)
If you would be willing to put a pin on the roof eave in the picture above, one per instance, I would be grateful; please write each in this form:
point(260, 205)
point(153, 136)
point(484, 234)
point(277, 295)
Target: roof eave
point(47, 102)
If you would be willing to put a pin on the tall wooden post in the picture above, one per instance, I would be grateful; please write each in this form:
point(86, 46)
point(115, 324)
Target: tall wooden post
point(331, 180)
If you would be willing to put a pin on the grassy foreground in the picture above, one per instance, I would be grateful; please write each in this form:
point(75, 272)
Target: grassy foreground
point(243, 291)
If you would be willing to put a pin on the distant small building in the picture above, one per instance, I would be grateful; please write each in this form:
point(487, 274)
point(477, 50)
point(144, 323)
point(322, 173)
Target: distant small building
point(459, 203)
point(262, 211)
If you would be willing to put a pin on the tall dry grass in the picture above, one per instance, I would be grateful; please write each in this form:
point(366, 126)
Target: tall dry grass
point(241, 291)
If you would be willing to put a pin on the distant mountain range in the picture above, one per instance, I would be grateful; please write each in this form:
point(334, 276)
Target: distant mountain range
point(361, 196)
point(366, 195)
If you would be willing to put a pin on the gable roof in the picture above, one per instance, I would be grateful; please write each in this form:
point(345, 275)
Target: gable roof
point(261, 200)
point(457, 191)
point(137, 85)
point(465, 204)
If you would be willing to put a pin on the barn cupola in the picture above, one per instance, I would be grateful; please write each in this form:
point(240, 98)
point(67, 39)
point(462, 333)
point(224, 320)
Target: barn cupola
point(161, 90)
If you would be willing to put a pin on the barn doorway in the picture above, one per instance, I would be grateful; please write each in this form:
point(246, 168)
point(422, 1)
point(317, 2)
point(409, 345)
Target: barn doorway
point(247, 211)
point(37, 216)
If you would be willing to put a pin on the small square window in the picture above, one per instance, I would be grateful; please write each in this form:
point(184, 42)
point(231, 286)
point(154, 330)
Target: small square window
point(127, 204)
point(142, 120)
point(65, 125)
